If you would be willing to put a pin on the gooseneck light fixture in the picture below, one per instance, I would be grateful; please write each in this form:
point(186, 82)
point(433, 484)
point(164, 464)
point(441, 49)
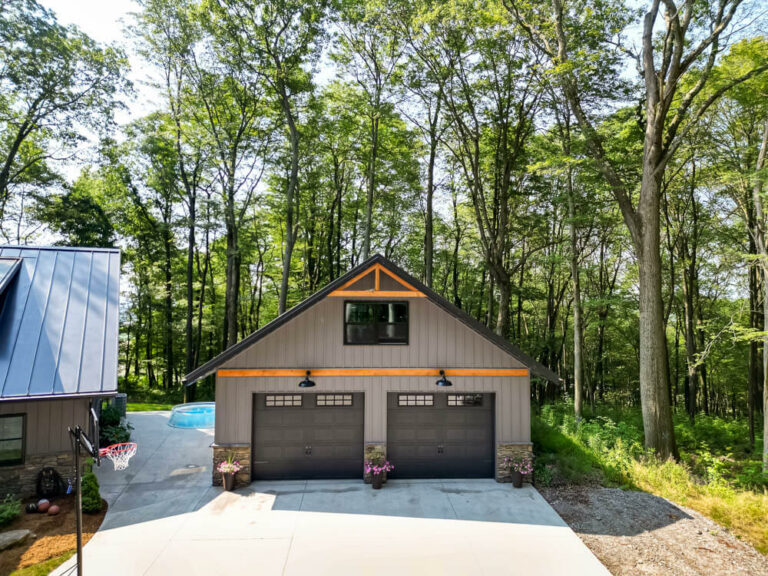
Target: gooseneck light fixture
point(306, 383)
point(443, 380)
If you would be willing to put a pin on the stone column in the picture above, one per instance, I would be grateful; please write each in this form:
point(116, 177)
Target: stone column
point(377, 453)
point(239, 452)
point(512, 449)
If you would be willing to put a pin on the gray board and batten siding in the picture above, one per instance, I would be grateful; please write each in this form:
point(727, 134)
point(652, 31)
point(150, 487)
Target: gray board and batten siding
point(59, 323)
point(46, 423)
point(314, 339)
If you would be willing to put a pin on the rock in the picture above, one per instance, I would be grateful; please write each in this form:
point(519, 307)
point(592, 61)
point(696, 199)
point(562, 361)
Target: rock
point(12, 537)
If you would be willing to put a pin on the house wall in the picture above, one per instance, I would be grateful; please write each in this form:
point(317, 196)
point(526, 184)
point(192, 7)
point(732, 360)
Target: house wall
point(234, 401)
point(315, 339)
point(46, 440)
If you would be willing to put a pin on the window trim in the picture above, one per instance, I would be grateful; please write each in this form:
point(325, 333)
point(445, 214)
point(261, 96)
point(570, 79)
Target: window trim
point(344, 323)
point(23, 439)
point(428, 402)
point(344, 397)
point(293, 396)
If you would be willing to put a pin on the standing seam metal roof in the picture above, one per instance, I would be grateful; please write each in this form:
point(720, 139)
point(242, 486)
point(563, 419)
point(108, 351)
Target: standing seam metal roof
point(59, 323)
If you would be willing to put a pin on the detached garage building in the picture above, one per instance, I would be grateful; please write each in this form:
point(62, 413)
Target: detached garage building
point(374, 365)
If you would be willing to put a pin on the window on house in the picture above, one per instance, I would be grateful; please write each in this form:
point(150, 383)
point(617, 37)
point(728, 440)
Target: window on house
point(415, 400)
point(282, 400)
point(375, 322)
point(333, 400)
point(12, 439)
point(465, 399)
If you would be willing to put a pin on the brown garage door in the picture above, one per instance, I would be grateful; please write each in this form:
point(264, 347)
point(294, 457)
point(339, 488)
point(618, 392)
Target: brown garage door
point(305, 436)
point(440, 435)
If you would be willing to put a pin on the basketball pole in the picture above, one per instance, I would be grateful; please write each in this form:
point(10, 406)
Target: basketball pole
point(78, 499)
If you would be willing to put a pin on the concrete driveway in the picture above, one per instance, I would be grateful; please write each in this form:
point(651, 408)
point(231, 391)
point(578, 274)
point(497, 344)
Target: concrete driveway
point(165, 519)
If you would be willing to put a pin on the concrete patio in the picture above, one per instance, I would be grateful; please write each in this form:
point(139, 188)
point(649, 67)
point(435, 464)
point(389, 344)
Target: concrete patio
point(165, 518)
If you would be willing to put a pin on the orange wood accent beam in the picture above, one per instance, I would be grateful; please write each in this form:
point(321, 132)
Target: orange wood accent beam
point(396, 278)
point(379, 293)
point(378, 279)
point(297, 372)
point(356, 278)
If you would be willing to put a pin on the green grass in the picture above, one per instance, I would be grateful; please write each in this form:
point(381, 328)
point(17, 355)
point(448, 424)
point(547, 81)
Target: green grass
point(148, 406)
point(44, 568)
point(718, 474)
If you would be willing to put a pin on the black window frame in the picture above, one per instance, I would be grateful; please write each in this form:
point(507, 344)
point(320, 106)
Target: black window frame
point(378, 343)
point(23, 439)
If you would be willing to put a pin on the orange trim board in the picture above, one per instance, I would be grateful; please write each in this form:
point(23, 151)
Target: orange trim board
point(379, 293)
point(273, 372)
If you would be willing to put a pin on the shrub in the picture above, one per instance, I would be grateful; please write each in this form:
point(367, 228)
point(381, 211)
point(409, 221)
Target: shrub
point(10, 508)
point(110, 416)
point(114, 435)
point(92, 502)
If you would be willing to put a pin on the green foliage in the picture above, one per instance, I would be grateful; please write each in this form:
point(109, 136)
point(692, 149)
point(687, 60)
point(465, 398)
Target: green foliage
point(717, 475)
point(114, 434)
point(110, 415)
point(92, 502)
point(10, 508)
point(148, 406)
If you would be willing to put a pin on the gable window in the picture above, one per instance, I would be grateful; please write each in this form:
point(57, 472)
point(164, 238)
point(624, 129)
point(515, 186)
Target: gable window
point(12, 439)
point(375, 322)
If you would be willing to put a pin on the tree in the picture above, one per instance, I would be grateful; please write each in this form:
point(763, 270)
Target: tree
point(689, 43)
point(55, 83)
point(276, 41)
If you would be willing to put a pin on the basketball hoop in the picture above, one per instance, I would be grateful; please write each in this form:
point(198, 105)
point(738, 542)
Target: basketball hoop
point(119, 454)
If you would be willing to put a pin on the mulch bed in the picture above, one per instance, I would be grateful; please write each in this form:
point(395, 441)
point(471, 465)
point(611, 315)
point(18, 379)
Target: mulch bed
point(53, 535)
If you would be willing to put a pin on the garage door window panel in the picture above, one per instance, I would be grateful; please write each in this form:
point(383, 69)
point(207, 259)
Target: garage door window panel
point(282, 400)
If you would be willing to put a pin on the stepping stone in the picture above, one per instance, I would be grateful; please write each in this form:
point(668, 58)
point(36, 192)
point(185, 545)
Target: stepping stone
point(12, 537)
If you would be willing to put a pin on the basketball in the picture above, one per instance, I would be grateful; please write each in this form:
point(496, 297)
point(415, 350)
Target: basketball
point(43, 505)
point(31, 507)
point(53, 510)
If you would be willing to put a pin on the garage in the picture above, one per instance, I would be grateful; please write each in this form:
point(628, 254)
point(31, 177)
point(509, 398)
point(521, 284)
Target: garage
point(433, 435)
point(307, 436)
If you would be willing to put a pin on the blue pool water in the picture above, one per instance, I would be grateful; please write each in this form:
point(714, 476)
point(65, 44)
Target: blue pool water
point(193, 415)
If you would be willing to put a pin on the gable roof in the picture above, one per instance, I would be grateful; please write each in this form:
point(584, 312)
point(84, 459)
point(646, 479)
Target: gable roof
point(349, 280)
point(59, 315)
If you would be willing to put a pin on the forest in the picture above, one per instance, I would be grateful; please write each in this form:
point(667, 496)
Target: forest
point(587, 178)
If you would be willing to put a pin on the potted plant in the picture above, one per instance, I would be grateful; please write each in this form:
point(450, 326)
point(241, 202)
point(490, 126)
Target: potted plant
point(228, 469)
point(517, 467)
point(377, 471)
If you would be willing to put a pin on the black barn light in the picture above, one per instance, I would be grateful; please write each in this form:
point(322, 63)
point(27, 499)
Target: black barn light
point(443, 380)
point(306, 383)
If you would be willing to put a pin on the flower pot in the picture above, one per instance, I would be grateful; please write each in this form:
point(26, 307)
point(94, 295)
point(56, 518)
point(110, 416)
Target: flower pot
point(517, 479)
point(229, 481)
point(377, 481)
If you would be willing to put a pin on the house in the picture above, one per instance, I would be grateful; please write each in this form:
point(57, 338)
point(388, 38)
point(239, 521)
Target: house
point(373, 365)
point(58, 354)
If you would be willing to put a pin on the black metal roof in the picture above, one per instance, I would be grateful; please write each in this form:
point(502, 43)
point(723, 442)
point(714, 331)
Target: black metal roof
point(536, 368)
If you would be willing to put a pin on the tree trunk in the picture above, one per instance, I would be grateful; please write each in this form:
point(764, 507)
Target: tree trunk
point(578, 338)
point(232, 292)
point(371, 185)
point(290, 195)
point(428, 224)
point(654, 385)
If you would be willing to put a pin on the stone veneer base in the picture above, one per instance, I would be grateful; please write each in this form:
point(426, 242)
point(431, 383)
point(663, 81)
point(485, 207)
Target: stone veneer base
point(21, 479)
point(239, 452)
point(512, 449)
point(375, 451)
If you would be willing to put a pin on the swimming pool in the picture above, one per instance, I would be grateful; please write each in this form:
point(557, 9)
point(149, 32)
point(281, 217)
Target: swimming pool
point(193, 415)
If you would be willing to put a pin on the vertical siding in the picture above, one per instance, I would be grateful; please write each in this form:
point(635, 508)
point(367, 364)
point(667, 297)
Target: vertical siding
point(315, 339)
point(47, 422)
point(234, 401)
